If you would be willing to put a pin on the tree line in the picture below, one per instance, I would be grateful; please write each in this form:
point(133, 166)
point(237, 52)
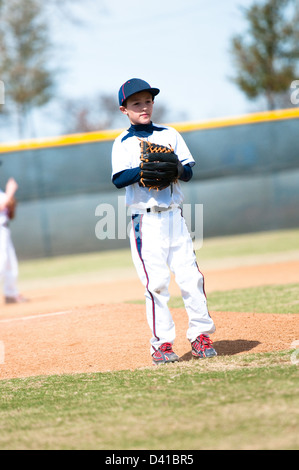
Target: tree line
point(264, 58)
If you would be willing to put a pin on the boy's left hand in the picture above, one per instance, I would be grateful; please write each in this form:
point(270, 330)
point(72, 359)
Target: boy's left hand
point(159, 166)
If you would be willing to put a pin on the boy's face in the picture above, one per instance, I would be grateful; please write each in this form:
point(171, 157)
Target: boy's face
point(139, 108)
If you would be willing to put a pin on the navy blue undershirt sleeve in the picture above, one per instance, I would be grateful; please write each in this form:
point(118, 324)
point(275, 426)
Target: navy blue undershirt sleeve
point(126, 177)
point(132, 175)
point(187, 173)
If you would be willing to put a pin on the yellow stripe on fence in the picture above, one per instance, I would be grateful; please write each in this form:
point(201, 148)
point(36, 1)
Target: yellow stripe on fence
point(110, 135)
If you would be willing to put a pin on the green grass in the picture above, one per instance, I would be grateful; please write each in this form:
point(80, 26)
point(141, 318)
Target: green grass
point(239, 402)
point(252, 244)
point(264, 299)
point(247, 401)
point(236, 246)
point(77, 264)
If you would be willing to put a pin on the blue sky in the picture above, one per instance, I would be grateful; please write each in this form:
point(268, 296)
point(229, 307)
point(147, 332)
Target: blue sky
point(181, 47)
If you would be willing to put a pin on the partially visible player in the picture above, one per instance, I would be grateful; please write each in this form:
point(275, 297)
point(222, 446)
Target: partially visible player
point(8, 259)
point(159, 238)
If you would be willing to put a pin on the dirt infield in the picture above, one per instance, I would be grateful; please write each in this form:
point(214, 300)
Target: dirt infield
point(89, 327)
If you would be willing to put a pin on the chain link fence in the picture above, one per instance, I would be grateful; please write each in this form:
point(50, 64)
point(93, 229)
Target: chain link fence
point(246, 177)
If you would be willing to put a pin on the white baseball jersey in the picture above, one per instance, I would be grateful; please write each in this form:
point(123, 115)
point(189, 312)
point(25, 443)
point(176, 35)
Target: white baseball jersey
point(8, 259)
point(126, 155)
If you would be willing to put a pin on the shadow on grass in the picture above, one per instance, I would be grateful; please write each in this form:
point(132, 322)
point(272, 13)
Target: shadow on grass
point(228, 348)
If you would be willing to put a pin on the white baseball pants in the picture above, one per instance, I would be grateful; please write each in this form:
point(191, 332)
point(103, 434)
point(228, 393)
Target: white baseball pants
point(8, 263)
point(161, 242)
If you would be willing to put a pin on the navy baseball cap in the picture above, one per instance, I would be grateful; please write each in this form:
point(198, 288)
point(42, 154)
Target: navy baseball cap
point(132, 86)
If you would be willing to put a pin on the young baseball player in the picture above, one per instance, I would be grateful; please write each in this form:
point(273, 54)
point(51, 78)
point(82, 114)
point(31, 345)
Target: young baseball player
point(159, 237)
point(8, 259)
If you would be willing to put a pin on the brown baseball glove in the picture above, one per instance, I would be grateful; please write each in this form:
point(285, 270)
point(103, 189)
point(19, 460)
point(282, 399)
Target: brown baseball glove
point(159, 166)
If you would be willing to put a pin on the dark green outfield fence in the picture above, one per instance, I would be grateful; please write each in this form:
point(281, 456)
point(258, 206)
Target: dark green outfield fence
point(246, 179)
